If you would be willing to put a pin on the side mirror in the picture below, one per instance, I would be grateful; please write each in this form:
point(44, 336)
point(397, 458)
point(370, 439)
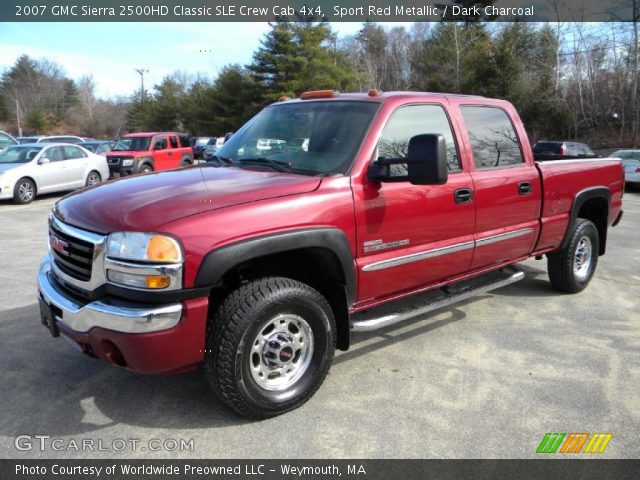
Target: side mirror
point(426, 163)
point(43, 160)
point(427, 160)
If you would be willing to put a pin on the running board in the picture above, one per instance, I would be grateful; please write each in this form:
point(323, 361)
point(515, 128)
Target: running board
point(374, 319)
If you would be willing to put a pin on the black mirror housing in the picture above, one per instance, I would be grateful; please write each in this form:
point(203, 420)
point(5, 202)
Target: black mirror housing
point(427, 160)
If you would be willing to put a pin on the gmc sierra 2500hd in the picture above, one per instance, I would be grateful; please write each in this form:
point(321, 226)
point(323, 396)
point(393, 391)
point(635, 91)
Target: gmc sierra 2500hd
point(263, 261)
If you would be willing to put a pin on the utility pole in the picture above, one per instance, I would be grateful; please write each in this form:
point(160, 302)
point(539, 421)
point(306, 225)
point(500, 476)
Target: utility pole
point(18, 118)
point(141, 72)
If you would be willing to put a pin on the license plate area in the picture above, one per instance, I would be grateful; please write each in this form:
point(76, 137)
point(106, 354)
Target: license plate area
point(47, 317)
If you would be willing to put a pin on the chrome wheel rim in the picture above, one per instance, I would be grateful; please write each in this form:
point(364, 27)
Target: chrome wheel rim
point(582, 258)
point(25, 191)
point(93, 179)
point(281, 352)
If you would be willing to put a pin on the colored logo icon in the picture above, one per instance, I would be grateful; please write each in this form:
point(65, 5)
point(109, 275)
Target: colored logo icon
point(574, 442)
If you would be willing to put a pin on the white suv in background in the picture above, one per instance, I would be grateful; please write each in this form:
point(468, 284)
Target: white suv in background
point(31, 169)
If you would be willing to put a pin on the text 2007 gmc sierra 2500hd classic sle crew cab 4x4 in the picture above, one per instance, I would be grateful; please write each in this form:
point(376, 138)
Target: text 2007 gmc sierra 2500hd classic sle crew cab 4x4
point(263, 261)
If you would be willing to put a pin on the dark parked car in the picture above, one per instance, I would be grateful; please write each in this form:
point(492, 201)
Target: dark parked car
point(561, 150)
point(98, 147)
point(199, 144)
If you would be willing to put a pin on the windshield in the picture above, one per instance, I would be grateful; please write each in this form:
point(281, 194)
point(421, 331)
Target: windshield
point(90, 146)
point(133, 144)
point(308, 137)
point(19, 154)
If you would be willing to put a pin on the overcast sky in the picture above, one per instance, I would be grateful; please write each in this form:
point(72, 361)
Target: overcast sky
point(112, 51)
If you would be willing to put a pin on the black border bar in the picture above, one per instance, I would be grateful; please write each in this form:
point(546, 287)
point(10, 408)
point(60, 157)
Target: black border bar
point(329, 10)
point(557, 469)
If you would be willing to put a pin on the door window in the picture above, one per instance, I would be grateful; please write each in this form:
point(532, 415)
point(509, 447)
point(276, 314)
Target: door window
point(54, 154)
point(494, 141)
point(406, 122)
point(72, 153)
point(174, 142)
point(160, 144)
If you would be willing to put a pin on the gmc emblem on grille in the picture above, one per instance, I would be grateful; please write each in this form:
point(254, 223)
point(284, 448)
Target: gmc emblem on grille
point(58, 245)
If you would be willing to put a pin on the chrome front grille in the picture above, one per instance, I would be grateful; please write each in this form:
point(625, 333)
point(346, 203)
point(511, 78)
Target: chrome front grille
point(71, 255)
point(77, 255)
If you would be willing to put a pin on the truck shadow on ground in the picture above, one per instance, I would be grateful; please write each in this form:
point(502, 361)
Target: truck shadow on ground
point(52, 389)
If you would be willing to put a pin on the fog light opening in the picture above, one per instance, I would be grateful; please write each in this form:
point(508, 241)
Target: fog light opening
point(113, 354)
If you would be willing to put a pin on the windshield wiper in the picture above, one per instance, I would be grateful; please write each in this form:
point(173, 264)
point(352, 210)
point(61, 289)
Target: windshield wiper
point(267, 162)
point(217, 160)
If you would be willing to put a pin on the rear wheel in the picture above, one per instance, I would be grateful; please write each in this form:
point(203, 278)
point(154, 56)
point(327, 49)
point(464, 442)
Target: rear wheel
point(93, 178)
point(24, 192)
point(571, 269)
point(269, 346)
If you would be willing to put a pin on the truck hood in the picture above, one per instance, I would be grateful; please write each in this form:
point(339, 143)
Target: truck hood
point(146, 202)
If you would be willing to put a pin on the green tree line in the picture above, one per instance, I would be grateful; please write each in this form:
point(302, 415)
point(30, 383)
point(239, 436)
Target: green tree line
point(565, 83)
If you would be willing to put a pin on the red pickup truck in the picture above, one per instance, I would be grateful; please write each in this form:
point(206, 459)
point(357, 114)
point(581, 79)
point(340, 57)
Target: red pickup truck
point(261, 262)
point(146, 152)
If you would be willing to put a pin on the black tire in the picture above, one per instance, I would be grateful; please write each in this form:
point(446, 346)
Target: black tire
point(145, 169)
point(93, 178)
point(24, 191)
point(569, 270)
point(185, 162)
point(235, 332)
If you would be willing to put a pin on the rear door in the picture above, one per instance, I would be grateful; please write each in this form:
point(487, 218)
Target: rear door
point(77, 163)
point(410, 236)
point(161, 153)
point(174, 154)
point(506, 187)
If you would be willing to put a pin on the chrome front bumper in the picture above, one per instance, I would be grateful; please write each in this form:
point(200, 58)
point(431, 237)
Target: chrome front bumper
point(110, 314)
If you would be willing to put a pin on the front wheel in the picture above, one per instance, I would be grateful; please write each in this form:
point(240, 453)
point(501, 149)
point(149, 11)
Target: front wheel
point(269, 346)
point(24, 192)
point(146, 169)
point(571, 268)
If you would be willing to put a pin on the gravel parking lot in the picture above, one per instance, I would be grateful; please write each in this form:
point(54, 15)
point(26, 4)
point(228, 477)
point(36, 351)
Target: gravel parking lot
point(484, 379)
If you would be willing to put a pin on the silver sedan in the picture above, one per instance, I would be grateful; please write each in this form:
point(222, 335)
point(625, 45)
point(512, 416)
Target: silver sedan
point(631, 163)
point(32, 169)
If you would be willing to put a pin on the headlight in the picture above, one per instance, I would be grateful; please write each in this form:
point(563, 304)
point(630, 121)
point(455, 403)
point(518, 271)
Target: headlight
point(144, 247)
point(144, 261)
point(127, 162)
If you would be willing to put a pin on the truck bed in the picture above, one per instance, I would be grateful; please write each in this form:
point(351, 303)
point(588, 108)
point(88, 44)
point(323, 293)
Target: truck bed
point(562, 181)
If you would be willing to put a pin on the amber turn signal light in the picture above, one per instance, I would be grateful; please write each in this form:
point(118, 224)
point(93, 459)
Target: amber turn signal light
point(162, 249)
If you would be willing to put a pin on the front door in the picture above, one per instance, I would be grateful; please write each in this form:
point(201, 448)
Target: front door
point(410, 236)
point(52, 176)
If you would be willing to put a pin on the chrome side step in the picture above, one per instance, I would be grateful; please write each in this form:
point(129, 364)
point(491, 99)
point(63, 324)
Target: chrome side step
point(376, 318)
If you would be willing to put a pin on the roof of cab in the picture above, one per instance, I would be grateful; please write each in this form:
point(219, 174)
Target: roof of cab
point(372, 96)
